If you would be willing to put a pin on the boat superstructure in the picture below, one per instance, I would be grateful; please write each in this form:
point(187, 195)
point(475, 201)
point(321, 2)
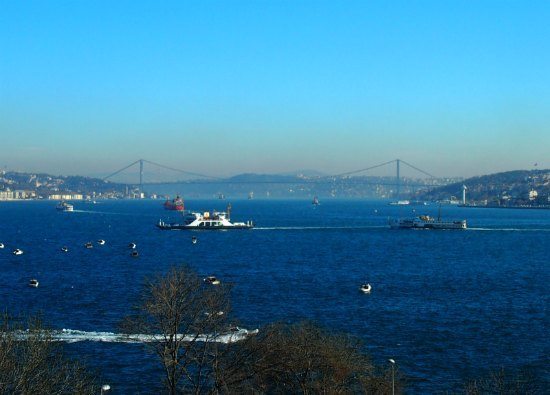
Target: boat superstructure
point(206, 221)
point(426, 222)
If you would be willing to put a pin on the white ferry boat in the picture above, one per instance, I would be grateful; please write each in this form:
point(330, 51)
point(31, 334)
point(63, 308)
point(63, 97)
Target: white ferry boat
point(426, 222)
point(400, 203)
point(206, 221)
point(64, 206)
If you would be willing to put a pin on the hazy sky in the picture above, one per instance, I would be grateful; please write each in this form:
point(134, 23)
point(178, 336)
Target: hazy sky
point(454, 87)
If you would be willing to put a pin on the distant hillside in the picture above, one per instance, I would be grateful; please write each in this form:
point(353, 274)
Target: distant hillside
point(45, 184)
point(511, 187)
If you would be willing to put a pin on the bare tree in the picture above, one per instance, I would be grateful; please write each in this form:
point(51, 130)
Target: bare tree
point(303, 358)
point(503, 382)
point(31, 362)
point(187, 316)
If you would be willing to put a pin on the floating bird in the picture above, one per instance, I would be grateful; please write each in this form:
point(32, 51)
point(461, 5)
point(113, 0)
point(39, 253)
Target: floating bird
point(134, 254)
point(1, 245)
point(89, 245)
point(17, 251)
point(33, 283)
point(194, 240)
point(101, 242)
point(64, 249)
point(366, 288)
point(212, 280)
point(132, 246)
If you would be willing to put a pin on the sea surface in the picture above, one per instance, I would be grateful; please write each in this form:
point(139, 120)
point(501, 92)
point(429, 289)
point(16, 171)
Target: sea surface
point(446, 305)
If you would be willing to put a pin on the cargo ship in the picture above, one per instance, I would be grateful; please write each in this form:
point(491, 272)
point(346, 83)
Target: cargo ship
point(174, 204)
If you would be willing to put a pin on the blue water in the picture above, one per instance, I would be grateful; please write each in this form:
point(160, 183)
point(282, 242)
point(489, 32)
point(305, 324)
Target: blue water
point(446, 305)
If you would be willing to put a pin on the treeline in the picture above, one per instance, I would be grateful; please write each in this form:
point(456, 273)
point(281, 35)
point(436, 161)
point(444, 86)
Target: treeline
point(191, 323)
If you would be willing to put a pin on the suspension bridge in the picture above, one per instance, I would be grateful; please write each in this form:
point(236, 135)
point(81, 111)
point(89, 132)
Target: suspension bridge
point(349, 177)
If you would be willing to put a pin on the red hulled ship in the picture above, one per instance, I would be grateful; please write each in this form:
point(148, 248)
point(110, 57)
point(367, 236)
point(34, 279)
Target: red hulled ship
point(174, 204)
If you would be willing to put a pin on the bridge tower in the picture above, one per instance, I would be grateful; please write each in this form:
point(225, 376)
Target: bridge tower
point(141, 175)
point(398, 180)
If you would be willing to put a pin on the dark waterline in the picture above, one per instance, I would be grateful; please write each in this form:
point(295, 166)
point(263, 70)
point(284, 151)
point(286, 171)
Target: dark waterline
point(445, 305)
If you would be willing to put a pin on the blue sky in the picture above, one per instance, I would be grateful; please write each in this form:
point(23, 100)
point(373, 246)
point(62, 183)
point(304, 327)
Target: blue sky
point(454, 87)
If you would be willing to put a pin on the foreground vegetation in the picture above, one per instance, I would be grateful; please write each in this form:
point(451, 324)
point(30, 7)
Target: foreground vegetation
point(281, 358)
point(32, 363)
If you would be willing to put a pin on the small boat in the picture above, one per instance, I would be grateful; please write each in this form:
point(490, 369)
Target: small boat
point(132, 246)
point(134, 254)
point(89, 245)
point(64, 206)
point(315, 201)
point(64, 249)
point(1, 245)
point(17, 251)
point(101, 242)
point(33, 283)
point(212, 280)
point(365, 288)
point(194, 240)
point(251, 196)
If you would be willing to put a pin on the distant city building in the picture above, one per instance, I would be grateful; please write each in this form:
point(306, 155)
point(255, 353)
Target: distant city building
point(18, 194)
point(75, 196)
point(6, 195)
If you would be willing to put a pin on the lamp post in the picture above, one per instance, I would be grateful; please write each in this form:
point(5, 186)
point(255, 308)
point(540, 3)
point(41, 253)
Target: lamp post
point(392, 361)
point(105, 388)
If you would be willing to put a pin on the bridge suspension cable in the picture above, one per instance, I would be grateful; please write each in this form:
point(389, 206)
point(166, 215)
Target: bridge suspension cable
point(362, 170)
point(417, 169)
point(181, 171)
point(121, 170)
point(142, 161)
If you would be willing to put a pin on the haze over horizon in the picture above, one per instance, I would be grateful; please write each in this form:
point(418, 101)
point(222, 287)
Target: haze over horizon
point(221, 88)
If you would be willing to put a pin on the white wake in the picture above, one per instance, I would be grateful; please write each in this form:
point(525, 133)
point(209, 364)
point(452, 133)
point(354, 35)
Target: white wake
point(510, 229)
point(318, 227)
point(74, 336)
